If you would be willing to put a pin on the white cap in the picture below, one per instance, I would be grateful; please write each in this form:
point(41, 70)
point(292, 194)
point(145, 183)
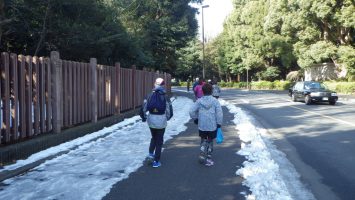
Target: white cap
point(159, 81)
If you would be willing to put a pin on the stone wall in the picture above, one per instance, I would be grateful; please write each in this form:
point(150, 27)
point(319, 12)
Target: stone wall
point(324, 71)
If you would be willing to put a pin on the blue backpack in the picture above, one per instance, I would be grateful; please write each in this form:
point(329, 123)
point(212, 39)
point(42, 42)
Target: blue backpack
point(156, 103)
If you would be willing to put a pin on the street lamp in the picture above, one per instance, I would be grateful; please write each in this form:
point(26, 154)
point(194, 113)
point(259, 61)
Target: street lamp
point(203, 43)
point(247, 78)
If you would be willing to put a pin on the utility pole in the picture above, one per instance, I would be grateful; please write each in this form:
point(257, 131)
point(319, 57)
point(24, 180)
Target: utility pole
point(203, 42)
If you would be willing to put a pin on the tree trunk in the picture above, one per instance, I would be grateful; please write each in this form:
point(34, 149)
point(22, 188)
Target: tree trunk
point(345, 37)
point(43, 34)
point(2, 16)
point(326, 30)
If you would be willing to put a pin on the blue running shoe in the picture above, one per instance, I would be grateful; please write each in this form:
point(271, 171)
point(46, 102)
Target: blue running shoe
point(156, 164)
point(209, 162)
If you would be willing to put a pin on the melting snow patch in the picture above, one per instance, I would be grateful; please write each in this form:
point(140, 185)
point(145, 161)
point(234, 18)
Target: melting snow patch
point(261, 172)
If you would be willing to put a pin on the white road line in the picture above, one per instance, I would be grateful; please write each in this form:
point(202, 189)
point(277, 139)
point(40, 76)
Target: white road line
point(339, 120)
point(245, 101)
point(325, 116)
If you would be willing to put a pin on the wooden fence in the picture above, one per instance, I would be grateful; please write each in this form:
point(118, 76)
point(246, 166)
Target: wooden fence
point(41, 95)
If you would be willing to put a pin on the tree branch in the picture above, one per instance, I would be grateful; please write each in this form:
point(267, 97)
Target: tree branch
point(43, 34)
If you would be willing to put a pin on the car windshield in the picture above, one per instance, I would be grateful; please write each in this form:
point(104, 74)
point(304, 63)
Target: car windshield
point(314, 85)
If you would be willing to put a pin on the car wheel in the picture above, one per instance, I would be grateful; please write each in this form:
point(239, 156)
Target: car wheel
point(332, 102)
point(307, 100)
point(293, 97)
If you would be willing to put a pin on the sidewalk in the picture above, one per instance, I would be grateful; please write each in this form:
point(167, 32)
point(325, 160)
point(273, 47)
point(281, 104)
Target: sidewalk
point(181, 176)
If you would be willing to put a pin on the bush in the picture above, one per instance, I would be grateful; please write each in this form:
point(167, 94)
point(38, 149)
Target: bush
point(282, 85)
point(240, 85)
point(183, 83)
point(341, 87)
point(229, 84)
point(262, 85)
point(222, 84)
point(175, 84)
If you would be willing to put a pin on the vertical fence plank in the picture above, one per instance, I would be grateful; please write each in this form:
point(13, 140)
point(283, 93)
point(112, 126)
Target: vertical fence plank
point(76, 107)
point(85, 92)
point(28, 96)
point(5, 96)
point(131, 89)
point(62, 96)
point(48, 74)
point(66, 111)
point(78, 91)
point(74, 93)
point(134, 86)
point(56, 64)
point(113, 85)
point(80, 75)
point(82, 92)
point(77, 95)
point(101, 95)
point(118, 89)
point(93, 89)
point(124, 89)
point(109, 85)
point(14, 96)
point(42, 94)
point(70, 92)
point(89, 81)
point(121, 88)
point(98, 92)
point(65, 93)
point(68, 97)
point(1, 117)
point(35, 78)
point(104, 91)
point(106, 82)
point(22, 102)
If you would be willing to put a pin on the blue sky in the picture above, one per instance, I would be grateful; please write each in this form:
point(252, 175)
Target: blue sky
point(214, 16)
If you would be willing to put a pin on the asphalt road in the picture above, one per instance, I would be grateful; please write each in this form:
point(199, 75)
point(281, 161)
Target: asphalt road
point(319, 139)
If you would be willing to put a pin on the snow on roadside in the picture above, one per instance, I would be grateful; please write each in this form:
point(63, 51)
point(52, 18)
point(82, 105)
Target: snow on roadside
point(94, 165)
point(267, 172)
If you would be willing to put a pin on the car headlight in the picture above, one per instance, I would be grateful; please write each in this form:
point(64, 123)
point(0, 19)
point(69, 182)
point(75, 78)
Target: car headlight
point(334, 94)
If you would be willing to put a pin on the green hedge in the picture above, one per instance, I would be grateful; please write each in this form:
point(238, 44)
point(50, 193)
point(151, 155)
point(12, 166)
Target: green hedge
point(341, 87)
point(267, 85)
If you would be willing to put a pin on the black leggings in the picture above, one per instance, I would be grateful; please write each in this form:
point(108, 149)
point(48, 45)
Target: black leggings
point(156, 142)
point(206, 145)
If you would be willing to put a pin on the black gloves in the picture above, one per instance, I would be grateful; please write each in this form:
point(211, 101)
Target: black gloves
point(196, 121)
point(218, 126)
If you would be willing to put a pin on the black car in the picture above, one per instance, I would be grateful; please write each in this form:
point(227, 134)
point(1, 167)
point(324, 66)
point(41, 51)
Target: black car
point(312, 91)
